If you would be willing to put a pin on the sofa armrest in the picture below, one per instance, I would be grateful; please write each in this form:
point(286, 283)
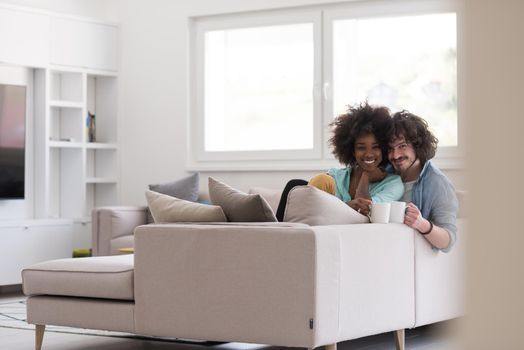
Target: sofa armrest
point(439, 279)
point(376, 278)
point(237, 283)
point(109, 223)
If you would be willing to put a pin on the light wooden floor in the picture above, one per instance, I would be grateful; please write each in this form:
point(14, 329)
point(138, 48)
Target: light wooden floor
point(431, 337)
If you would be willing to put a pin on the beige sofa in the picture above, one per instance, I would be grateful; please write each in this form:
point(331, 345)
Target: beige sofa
point(280, 284)
point(284, 284)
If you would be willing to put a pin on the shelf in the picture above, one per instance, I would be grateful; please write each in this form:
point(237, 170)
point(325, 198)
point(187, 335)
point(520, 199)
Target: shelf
point(100, 145)
point(65, 144)
point(78, 175)
point(101, 180)
point(35, 222)
point(66, 104)
point(82, 220)
point(91, 71)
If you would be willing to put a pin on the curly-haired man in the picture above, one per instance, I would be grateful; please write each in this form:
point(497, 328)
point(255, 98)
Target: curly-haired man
point(432, 204)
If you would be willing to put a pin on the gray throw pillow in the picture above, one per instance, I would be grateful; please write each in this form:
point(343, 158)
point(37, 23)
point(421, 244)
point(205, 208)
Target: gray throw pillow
point(165, 208)
point(239, 206)
point(185, 188)
point(309, 205)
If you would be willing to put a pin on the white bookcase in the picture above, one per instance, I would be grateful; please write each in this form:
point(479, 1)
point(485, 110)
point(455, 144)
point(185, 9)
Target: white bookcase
point(72, 62)
point(76, 175)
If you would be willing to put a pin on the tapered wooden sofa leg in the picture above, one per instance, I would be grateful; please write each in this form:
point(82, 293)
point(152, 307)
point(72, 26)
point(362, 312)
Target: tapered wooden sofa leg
point(331, 346)
point(39, 336)
point(400, 339)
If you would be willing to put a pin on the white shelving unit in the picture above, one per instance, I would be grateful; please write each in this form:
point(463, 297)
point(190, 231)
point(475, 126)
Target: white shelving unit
point(77, 175)
point(72, 63)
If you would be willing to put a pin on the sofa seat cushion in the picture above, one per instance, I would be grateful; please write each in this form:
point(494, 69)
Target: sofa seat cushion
point(106, 277)
point(121, 242)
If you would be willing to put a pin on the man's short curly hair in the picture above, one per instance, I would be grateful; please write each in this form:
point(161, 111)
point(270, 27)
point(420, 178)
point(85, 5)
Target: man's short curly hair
point(415, 131)
point(360, 120)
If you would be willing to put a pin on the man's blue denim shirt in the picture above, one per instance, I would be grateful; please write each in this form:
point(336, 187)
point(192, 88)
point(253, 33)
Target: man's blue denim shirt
point(434, 195)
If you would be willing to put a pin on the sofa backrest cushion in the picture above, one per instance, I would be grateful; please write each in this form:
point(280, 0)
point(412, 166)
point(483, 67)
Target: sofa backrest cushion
point(309, 205)
point(271, 196)
point(185, 188)
point(165, 208)
point(239, 206)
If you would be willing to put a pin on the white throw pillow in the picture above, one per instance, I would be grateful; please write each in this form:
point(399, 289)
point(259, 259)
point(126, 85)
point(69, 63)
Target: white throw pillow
point(165, 208)
point(309, 205)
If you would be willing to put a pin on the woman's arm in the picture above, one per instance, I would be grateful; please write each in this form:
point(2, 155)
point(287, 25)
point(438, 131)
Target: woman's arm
point(363, 186)
point(359, 191)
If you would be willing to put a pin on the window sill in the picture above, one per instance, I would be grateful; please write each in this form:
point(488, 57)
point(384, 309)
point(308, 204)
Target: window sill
point(444, 163)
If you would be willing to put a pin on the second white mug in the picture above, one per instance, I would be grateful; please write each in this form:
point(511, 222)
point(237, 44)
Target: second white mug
point(397, 212)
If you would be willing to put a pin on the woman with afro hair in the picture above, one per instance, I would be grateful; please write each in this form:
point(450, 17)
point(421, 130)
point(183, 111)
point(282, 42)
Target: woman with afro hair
point(360, 142)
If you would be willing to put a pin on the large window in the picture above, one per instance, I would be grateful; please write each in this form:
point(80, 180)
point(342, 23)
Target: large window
point(265, 86)
point(258, 88)
point(403, 62)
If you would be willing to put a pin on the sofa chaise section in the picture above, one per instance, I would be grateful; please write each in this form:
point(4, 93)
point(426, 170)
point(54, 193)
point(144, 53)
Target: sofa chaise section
point(95, 293)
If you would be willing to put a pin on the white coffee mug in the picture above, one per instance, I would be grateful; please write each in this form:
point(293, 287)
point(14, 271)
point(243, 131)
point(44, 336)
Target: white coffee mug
point(397, 212)
point(380, 213)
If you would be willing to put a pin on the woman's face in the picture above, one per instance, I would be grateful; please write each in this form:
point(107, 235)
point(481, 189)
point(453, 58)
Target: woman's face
point(368, 154)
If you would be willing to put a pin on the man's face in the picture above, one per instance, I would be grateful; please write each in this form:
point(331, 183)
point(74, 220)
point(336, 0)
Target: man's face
point(401, 154)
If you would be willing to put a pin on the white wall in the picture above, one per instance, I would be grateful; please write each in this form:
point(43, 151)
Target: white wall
point(153, 93)
point(100, 9)
point(494, 98)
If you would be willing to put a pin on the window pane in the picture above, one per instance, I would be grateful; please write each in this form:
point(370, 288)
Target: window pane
point(258, 88)
point(401, 62)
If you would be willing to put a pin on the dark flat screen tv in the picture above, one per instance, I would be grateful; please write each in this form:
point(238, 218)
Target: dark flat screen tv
point(12, 141)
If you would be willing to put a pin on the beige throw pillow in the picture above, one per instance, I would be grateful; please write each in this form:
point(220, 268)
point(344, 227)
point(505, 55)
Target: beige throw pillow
point(309, 205)
point(271, 196)
point(239, 206)
point(165, 208)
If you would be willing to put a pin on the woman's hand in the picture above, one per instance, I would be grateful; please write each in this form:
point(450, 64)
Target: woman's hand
point(361, 205)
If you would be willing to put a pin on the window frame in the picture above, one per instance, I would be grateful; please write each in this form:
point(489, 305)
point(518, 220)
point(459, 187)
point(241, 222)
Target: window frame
point(322, 17)
point(200, 27)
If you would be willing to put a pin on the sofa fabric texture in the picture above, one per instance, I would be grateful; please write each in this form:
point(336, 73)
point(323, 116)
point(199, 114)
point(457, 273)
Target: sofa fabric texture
point(440, 269)
point(309, 205)
point(104, 314)
point(111, 223)
point(271, 196)
point(166, 208)
point(239, 206)
point(185, 188)
point(105, 277)
point(121, 242)
point(249, 283)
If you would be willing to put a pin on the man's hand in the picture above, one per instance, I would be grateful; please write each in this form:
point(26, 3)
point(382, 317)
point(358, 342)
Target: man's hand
point(414, 218)
point(361, 205)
